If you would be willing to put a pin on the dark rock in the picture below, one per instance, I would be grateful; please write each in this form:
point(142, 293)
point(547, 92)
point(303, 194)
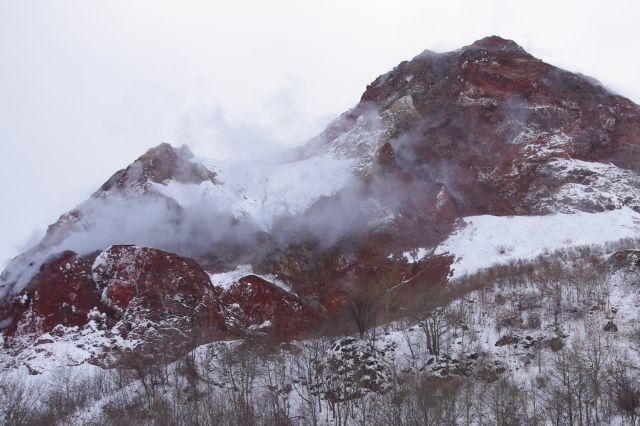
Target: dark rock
point(611, 327)
point(556, 344)
point(507, 340)
point(628, 259)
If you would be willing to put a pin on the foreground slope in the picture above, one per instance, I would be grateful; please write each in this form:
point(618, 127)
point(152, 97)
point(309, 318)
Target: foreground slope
point(547, 341)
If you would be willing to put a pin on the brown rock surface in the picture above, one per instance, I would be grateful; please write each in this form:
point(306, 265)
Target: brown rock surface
point(259, 305)
point(149, 286)
point(62, 292)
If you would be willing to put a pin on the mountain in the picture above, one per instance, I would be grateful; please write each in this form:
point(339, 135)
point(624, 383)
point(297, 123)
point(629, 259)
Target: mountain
point(450, 163)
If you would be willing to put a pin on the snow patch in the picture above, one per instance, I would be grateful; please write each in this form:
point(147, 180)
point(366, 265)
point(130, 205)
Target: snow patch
point(100, 262)
point(225, 280)
point(415, 255)
point(265, 324)
point(486, 240)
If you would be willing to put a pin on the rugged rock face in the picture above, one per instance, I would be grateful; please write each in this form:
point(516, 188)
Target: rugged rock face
point(158, 165)
point(144, 296)
point(258, 305)
point(505, 132)
point(143, 302)
point(628, 260)
point(486, 129)
point(107, 208)
point(62, 292)
point(157, 296)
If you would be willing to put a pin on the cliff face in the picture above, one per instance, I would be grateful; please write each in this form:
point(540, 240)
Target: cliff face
point(507, 133)
point(484, 130)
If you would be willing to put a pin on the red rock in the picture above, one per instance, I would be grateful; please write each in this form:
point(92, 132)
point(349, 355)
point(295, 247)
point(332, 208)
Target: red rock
point(149, 286)
point(386, 154)
point(158, 165)
point(163, 304)
point(62, 292)
point(263, 306)
point(472, 103)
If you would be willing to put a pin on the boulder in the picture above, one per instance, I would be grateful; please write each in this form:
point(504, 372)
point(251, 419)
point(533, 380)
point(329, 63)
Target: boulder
point(62, 292)
point(157, 295)
point(257, 305)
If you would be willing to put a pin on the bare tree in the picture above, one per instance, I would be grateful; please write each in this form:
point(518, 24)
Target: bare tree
point(362, 308)
point(595, 357)
point(434, 318)
point(625, 389)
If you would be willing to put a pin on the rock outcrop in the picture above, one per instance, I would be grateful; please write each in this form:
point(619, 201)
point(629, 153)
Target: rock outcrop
point(144, 302)
point(258, 305)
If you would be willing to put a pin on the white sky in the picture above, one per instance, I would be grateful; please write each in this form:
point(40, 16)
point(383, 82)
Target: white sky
point(87, 86)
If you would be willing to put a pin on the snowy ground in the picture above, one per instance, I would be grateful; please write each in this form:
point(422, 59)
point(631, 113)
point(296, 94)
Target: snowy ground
point(482, 241)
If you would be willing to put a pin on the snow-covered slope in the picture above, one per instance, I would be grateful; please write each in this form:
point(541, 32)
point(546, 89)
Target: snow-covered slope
point(262, 191)
point(508, 347)
point(482, 241)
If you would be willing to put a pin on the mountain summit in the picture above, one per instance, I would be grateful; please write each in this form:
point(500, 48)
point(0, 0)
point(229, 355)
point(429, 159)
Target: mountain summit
point(386, 199)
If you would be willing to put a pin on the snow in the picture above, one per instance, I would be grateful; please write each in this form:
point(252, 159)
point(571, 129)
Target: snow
point(440, 199)
point(565, 167)
point(597, 183)
point(262, 190)
point(539, 145)
point(581, 185)
point(416, 255)
point(100, 262)
point(543, 145)
point(465, 100)
point(20, 270)
point(359, 369)
point(64, 347)
point(277, 282)
point(482, 241)
point(255, 193)
point(265, 324)
point(361, 143)
point(225, 280)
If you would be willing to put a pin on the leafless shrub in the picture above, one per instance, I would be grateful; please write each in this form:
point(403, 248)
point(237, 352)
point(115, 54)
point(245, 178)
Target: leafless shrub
point(18, 403)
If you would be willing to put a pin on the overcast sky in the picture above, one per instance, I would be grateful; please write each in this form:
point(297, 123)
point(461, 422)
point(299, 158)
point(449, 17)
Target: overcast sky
point(88, 86)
